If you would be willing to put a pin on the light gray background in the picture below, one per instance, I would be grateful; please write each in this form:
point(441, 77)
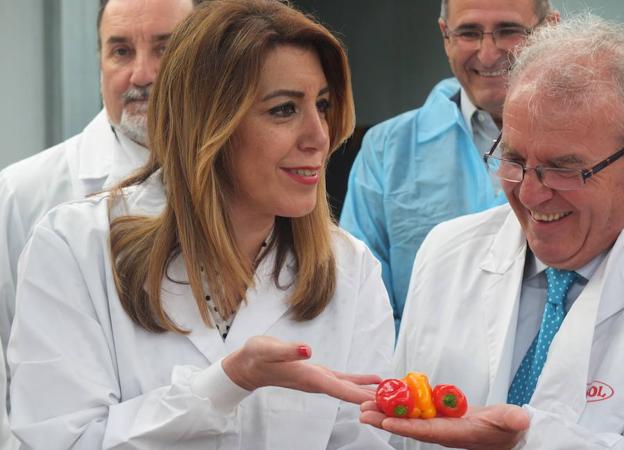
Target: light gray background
point(49, 78)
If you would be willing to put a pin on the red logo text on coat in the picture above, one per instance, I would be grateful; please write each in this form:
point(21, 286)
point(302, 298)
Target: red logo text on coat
point(598, 391)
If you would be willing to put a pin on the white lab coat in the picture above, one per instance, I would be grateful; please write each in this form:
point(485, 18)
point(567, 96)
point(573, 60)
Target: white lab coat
point(86, 163)
point(7, 441)
point(459, 326)
point(86, 377)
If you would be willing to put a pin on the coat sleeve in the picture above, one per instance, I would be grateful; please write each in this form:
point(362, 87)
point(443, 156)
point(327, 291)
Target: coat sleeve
point(548, 430)
point(65, 390)
point(363, 212)
point(371, 352)
point(12, 238)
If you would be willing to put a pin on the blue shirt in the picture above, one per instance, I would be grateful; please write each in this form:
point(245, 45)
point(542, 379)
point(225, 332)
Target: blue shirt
point(413, 172)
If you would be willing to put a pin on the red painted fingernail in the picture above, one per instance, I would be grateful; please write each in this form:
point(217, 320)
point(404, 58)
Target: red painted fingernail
point(304, 351)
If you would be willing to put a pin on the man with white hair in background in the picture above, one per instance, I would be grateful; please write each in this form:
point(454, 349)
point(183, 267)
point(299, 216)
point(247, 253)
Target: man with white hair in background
point(522, 306)
point(132, 36)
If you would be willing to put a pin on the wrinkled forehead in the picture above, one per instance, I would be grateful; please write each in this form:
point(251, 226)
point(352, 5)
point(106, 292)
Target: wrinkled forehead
point(126, 17)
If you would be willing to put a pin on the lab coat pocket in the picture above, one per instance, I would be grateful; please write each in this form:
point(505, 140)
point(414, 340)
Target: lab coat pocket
point(291, 411)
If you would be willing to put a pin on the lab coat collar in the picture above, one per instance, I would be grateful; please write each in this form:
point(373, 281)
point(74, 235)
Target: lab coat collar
point(508, 247)
point(127, 157)
point(103, 155)
point(439, 113)
point(264, 306)
point(503, 268)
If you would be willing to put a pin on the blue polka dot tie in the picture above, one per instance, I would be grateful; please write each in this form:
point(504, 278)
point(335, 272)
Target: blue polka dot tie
point(523, 384)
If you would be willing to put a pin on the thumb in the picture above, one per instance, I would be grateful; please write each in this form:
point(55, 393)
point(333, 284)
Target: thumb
point(516, 419)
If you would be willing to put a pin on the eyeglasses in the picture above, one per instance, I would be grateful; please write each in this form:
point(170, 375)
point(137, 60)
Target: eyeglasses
point(560, 179)
point(504, 38)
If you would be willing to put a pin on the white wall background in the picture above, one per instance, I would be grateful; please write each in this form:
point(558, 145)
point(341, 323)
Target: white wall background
point(49, 77)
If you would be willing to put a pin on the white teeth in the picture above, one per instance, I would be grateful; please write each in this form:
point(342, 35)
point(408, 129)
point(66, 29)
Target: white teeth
point(303, 172)
point(549, 217)
point(498, 73)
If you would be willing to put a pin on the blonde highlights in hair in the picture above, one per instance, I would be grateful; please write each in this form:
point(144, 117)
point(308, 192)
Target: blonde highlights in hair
point(207, 83)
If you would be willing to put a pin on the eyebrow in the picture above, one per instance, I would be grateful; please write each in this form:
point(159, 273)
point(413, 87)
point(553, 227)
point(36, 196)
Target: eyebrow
point(122, 40)
point(564, 160)
point(290, 93)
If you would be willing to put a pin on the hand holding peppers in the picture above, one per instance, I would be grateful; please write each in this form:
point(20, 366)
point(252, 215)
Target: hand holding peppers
point(413, 397)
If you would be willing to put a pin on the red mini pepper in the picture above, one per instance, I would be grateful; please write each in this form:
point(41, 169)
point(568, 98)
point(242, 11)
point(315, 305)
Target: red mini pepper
point(394, 398)
point(449, 400)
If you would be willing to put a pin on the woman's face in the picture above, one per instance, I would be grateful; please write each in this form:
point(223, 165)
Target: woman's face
point(280, 147)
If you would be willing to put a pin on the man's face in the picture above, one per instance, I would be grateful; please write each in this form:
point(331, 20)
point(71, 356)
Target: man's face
point(482, 69)
point(565, 229)
point(134, 34)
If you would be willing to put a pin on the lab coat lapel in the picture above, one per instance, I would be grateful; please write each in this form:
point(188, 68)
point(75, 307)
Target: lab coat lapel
point(570, 350)
point(127, 157)
point(504, 269)
point(181, 307)
point(265, 304)
point(94, 149)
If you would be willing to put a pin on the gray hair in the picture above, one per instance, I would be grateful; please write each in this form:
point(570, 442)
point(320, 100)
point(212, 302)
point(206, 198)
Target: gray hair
point(542, 9)
point(577, 62)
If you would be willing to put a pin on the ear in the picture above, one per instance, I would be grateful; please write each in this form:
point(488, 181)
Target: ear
point(443, 30)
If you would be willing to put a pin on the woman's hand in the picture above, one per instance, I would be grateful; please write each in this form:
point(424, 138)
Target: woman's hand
point(266, 361)
point(496, 427)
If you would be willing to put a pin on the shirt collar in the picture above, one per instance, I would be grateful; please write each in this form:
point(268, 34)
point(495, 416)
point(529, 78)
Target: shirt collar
point(534, 267)
point(467, 108)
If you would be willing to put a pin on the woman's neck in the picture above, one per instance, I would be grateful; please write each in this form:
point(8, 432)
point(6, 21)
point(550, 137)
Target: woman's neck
point(250, 232)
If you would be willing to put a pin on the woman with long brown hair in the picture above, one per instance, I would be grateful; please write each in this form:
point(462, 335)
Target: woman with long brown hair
point(155, 313)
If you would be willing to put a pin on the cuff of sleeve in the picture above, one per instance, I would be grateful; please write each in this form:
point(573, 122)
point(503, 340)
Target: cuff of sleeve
point(213, 384)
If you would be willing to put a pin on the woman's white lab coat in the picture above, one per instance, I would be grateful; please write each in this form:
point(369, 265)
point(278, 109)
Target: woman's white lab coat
point(460, 321)
point(86, 377)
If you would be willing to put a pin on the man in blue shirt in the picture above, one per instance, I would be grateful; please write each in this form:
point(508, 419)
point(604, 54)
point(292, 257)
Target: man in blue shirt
point(424, 166)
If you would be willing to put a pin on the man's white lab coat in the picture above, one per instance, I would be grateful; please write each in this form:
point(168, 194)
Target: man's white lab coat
point(459, 326)
point(87, 163)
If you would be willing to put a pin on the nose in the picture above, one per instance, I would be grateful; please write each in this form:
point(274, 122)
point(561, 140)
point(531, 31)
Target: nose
point(315, 135)
point(145, 69)
point(531, 191)
point(489, 53)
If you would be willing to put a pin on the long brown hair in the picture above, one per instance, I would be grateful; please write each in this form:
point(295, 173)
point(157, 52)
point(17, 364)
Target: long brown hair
point(207, 82)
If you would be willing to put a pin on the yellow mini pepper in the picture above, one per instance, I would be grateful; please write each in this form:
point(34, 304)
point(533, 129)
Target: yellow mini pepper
point(418, 384)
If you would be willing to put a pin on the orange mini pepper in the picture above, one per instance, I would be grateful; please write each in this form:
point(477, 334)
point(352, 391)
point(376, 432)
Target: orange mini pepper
point(421, 391)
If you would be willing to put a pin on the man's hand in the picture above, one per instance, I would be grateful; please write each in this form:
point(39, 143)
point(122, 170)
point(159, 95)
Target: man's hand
point(266, 361)
point(496, 427)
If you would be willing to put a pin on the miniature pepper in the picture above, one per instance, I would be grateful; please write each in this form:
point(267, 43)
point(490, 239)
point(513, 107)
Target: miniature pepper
point(421, 391)
point(449, 400)
point(394, 398)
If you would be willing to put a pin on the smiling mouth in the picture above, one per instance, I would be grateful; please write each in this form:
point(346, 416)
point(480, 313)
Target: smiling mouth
point(303, 172)
point(540, 217)
point(491, 73)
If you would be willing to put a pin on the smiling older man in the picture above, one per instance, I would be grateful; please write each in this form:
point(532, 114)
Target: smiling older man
point(523, 304)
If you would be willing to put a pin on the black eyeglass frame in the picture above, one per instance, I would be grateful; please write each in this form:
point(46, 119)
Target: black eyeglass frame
point(585, 173)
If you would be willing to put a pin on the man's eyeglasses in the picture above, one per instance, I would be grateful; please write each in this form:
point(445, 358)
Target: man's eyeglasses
point(504, 38)
point(560, 179)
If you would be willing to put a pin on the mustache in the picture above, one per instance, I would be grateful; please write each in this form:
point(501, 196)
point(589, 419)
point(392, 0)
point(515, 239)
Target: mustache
point(136, 94)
